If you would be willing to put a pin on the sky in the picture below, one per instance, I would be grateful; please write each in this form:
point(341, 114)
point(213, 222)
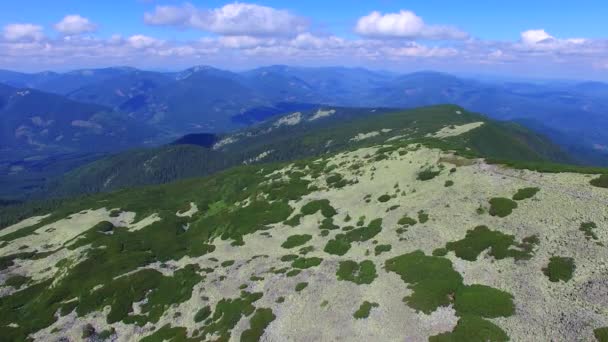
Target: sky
point(541, 38)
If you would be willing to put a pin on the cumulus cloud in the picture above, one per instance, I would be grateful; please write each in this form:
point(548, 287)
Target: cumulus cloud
point(236, 19)
point(75, 24)
point(142, 42)
point(532, 37)
point(405, 24)
point(20, 32)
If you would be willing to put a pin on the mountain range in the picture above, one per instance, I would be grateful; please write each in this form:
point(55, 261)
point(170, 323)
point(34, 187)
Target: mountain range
point(55, 122)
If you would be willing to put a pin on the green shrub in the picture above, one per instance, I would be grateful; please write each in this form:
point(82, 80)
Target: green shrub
point(472, 329)
point(525, 193)
point(17, 281)
point(587, 228)
point(407, 221)
point(600, 182)
point(258, 323)
point(384, 198)
point(358, 273)
point(323, 205)
point(364, 310)
point(481, 238)
point(379, 249)
point(296, 240)
point(601, 334)
point(448, 183)
point(303, 263)
point(337, 246)
point(202, 314)
point(423, 217)
point(301, 286)
point(559, 268)
point(427, 174)
point(502, 207)
point(483, 301)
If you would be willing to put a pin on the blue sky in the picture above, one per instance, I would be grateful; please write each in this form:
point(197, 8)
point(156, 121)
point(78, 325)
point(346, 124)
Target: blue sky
point(520, 38)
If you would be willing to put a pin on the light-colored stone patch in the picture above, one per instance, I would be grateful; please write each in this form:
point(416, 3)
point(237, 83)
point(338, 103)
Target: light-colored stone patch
point(289, 120)
point(226, 141)
point(322, 114)
point(452, 131)
point(144, 222)
point(34, 220)
point(258, 158)
point(190, 212)
point(363, 136)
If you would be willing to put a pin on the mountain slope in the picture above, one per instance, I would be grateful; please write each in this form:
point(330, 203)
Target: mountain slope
point(306, 134)
point(34, 121)
point(382, 240)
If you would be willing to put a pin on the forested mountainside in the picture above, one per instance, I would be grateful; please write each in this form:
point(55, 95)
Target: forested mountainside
point(304, 134)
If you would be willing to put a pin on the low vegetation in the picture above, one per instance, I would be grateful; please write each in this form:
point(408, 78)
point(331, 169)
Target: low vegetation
point(502, 207)
point(359, 273)
point(499, 245)
point(296, 240)
point(525, 193)
point(364, 310)
point(559, 269)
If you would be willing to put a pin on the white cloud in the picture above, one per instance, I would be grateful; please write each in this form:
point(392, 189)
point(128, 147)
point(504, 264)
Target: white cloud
point(20, 32)
point(532, 37)
point(405, 24)
point(142, 42)
point(236, 19)
point(75, 24)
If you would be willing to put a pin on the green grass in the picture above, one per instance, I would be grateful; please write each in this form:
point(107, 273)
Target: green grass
point(258, 323)
point(296, 240)
point(500, 245)
point(502, 207)
point(600, 182)
point(601, 334)
point(525, 193)
point(472, 329)
point(358, 273)
point(379, 249)
point(301, 286)
point(587, 228)
point(559, 269)
point(364, 310)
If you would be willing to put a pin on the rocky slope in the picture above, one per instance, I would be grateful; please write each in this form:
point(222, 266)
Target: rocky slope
point(395, 241)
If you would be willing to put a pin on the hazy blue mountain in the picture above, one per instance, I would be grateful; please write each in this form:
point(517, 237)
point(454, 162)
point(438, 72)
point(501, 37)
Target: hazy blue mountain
point(35, 122)
point(207, 99)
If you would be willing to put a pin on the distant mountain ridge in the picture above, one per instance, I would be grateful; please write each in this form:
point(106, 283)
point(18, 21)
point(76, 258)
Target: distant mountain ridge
point(204, 98)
